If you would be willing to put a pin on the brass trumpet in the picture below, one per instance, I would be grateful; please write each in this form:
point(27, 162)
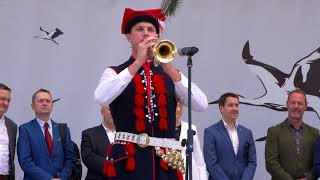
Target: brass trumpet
point(164, 52)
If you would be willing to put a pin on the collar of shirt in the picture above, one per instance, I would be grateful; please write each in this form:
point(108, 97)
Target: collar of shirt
point(107, 129)
point(2, 118)
point(110, 133)
point(291, 126)
point(2, 121)
point(227, 127)
point(41, 124)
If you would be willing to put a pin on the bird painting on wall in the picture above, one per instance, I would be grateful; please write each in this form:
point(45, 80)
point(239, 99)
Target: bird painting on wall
point(304, 75)
point(50, 35)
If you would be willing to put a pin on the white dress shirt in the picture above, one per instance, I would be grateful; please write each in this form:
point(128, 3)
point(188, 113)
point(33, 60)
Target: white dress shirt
point(111, 85)
point(199, 171)
point(110, 133)
point(233, 134)
point(41, 124)
point(4, 148)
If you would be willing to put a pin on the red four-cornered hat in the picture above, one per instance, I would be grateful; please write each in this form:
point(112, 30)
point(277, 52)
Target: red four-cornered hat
point(132, 17)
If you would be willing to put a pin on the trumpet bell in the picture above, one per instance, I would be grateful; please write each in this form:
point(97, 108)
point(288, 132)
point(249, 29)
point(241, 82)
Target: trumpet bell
point(164, 52)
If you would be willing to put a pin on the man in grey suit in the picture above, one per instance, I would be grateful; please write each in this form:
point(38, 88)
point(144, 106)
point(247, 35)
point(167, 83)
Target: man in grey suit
point(8, 133)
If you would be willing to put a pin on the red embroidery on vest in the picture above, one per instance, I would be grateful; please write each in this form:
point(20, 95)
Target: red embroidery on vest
point(138, 110)
point(159, 87)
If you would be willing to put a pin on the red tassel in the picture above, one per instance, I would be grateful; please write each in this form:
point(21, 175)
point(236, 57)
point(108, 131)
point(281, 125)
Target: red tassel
point(131, 164)
point(163, 165)
point(140, 125)
point(111, 171)
point(130, 149)
point(163, 125)
point(105, 167)
point(179, 175)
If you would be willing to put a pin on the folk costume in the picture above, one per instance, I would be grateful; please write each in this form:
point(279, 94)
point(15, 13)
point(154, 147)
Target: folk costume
point(143, 108)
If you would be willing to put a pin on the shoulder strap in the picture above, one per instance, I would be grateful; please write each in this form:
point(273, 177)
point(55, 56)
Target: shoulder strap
point(62, 131)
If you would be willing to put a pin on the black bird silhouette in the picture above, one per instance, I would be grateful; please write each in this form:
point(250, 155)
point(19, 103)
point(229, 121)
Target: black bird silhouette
point(50, 35)
point(56, 100)
point(305, 74)
point(262, 139)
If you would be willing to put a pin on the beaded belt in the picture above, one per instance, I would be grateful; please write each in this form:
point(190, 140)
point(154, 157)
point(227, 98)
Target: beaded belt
point(143, 140)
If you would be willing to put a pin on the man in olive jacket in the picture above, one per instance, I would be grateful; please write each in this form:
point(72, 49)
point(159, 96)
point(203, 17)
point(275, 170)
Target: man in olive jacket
point(290, 145)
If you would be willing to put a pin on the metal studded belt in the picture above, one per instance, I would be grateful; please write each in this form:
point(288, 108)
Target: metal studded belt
point(143, 140)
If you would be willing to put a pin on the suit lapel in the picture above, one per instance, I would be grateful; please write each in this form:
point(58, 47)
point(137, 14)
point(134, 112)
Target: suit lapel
point(288, 135)
point(9, 128)
point(10, 131)
point(102, 132)
point(56, 137)
point(241, 139)
point(225, 134)
point(306, 137)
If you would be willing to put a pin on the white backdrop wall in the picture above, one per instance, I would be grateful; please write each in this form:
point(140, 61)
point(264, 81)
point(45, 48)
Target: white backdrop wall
point(280, 33)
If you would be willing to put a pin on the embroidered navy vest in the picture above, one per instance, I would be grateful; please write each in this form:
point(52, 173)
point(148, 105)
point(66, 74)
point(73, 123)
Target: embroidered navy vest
point(123, 107)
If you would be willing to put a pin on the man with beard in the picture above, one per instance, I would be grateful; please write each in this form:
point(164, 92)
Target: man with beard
point(229, 150)
point(290, 145)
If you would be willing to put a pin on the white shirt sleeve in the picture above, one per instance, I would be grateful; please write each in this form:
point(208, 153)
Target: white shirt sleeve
point(199, 100)
point(111, 85)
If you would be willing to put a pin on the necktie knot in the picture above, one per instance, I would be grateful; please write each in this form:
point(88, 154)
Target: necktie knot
point(46, 125)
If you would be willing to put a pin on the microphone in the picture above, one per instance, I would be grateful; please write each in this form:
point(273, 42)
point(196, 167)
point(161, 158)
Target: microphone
point(188, 51)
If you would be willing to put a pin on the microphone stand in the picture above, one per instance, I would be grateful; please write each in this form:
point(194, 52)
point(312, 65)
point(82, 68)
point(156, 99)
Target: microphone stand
point(190, 132)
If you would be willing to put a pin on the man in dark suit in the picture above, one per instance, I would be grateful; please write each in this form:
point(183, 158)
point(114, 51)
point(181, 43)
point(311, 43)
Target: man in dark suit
point(8, 133)
point(229, 149)
point(94, 144)
point(40, 152)
point(290, 145)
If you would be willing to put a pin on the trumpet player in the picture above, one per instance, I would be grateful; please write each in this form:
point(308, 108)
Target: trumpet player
point(142, 100)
